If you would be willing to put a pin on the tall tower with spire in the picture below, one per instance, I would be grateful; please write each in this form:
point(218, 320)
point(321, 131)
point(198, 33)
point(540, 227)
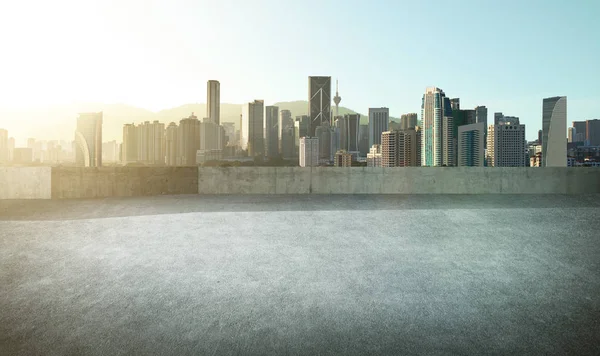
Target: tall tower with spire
point(336, 99)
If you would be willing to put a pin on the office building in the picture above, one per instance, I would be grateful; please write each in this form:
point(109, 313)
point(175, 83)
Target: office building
point(110, 151)
point(3, 146)
point(481, 114)
point(540, 137)
point(408, 121)
point(213, 101)
point(309, 152)
point(507, 145)
point(379, 121)
point(252, 128)
point(592, 132)
point(437, 135)
point(554, 126)
point(171, 144)
point(374, 156)
point(324, 134)
point(363, 140)
point(342, 159)
point(470, 145)
point(580, 130)
point(23, 155)
point(500, 119)
point(571, 135)
point(272, 131)
point(303, 125)
point(287, 147)
point(401, 148)
point(319, 102)
point(455, 103)
point(188, 139)
point(348, 126)
point(88, 140)
point(229, 128)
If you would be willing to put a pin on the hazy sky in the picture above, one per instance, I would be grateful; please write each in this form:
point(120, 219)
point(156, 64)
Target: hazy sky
point(507, 55)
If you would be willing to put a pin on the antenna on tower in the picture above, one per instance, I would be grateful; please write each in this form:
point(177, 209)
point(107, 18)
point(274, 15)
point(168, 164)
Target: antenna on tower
point(336, 99)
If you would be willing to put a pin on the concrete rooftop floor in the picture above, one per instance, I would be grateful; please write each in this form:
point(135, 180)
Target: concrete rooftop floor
point(301, 275)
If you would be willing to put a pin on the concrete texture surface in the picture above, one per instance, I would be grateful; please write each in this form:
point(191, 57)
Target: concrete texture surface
point(301, 275)
point(78, 182)
point(25, 183)
point(401, 180)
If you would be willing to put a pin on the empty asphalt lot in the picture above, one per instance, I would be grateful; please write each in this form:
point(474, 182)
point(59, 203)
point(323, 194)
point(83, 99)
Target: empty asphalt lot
point(301, 275)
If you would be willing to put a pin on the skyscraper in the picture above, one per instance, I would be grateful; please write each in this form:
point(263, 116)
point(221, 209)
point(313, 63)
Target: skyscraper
point(349, 130)
point(319, 101)
point(554, 126)
point(592, 132)
point(213, 101)
point(309, 152)
point(507, 145)
point(401, 148)
point(571, 135)
point(580, 131)
point(455, 103)
point(324, 134)
point(470, 145)
point(287, 146)
point(379, 121)
point(129, 147)
point(252, 128)
point(303, 123)
point(437, 141)
point(271, 131)
point(171, 144)
point(409, 121)
point(188, 138)
point(88, 140)
point(3, 146)
point(481, 114)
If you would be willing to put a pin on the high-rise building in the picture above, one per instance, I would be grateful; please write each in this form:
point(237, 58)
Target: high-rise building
point(252, 128)
point(342, 159)
point(592, 132)
point(507, 145)
point(211, 136)
point(110, 152)
point(455, 103)
point(151, 143)
point(580, 130)
point(22, 155)
point(303, 125)
point(363, 140)
point(481, 114)
point(88, 139)
point(129, 147)
point(286, 134)
point(401, 148)
point(349, 130)
point(437, 136)
point(213, 101)
point(171, 144)
point(409, 121)
point(571, 135)
point(470, 145)
point(379, 121)
point(497, 117)
point(11, 148)
point(3, 146)
point(319, 102)
point(323, 133)
point(272, 131)
point(554, 126)
point(374, 156)
point(309, 152)
point(188, 139)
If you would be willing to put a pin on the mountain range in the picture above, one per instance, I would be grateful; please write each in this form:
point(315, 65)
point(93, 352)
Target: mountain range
point(59, 122)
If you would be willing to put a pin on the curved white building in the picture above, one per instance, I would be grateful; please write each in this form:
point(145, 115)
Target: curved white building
point(88, 140)
point(554, 132)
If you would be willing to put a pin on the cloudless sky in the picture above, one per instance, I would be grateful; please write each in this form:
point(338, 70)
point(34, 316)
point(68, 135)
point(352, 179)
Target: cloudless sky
point(507, 55)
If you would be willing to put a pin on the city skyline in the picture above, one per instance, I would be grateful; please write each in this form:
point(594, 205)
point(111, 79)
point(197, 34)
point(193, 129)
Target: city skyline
point(157, 69)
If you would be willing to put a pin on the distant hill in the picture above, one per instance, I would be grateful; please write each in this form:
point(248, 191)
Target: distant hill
point(59, 122)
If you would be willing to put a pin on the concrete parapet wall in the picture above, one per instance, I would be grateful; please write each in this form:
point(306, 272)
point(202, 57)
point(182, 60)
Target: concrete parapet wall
point(102, 182)
point(25, 182)
point(401, 180)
